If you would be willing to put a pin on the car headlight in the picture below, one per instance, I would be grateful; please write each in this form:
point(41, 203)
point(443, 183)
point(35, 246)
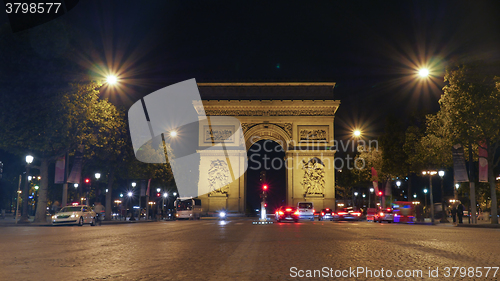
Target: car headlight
point(54, 217)
point(74, 215)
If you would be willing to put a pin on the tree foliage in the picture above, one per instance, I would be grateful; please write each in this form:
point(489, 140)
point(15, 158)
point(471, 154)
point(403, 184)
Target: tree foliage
point(470, 113)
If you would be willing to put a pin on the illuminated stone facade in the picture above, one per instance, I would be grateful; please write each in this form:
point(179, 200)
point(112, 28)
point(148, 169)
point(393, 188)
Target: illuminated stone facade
point(304, 128)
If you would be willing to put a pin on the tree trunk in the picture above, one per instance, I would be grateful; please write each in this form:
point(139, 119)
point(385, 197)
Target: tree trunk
point(109, 203)
point(493, 186)
point(41, 207)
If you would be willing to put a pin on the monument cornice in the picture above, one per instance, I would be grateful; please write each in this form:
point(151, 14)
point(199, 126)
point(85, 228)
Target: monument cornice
point(266, 107)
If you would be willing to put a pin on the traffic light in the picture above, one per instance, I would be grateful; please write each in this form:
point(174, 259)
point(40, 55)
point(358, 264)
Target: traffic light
point(158, 194)
point(264, 187)
point(380, 193)
point(87, 184)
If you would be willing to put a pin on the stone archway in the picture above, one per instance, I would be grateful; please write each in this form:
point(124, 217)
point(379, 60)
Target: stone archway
point(304, 128)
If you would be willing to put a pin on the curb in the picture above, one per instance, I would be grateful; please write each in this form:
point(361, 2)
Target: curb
point(32, 224)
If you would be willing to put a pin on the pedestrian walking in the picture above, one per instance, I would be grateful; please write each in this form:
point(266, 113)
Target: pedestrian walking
point(460, 212)
point(454, 213)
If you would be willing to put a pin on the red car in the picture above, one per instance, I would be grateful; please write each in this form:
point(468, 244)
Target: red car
point(287, 214)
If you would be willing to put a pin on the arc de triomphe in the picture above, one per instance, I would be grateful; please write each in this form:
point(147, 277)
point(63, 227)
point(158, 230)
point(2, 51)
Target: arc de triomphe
point(298, 116)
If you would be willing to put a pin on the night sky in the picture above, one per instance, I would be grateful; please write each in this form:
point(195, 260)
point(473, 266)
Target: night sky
point(371, 49)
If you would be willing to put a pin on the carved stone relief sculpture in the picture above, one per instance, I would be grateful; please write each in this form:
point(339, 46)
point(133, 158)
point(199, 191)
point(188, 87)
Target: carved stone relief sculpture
point(313, 181)
point(218, 178)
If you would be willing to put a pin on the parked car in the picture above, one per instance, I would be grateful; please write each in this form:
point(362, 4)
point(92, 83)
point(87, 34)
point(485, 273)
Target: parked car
point(347, 214)
point(384, 215)
point(287, 214)
point(326, 214)
point(79, 214)
point(306, 210)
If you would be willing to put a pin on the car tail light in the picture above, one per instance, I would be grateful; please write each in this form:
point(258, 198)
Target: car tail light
point(333, 214)
point(388, 209)
point(357, 214)
point(314, 211)
point(296, 213)
point(322, 213)
point(280, 213)
point(381, 214)
point(288, 209)
point(342, 213)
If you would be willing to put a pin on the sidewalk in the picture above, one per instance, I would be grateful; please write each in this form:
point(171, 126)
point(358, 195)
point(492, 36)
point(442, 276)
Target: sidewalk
point(10, 221)
point(479, 224)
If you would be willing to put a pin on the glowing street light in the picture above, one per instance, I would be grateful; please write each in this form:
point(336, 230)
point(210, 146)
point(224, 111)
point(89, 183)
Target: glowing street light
point(356, 133)
point(97, 175)
point(134, 184)
point(173, 134)
point(29, 159)
point(111, 79)
point(424, 72)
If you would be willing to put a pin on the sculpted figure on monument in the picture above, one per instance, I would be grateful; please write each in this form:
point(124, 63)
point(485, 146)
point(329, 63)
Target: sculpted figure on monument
point(218, 177)
point(313, 181)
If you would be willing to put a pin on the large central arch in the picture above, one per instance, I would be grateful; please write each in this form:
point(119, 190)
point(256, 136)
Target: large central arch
point(304, 128)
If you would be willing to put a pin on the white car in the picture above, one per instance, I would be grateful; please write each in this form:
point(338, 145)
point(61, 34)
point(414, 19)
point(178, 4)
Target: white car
point(79, 215)
point(306, 210)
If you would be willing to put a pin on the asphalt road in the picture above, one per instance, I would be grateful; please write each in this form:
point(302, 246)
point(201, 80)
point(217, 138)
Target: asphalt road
point(240, 250)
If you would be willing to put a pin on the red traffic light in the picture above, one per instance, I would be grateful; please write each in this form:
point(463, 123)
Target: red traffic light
point(87, 180)
point(158, 194)
point(264, 187)
point(380, 193)
point(265, 205)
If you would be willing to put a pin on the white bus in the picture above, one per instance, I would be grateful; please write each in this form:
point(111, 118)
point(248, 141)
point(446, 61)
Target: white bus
point(187, 208)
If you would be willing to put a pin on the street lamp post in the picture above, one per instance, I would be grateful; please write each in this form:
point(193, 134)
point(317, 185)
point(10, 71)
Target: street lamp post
point(425, 196)
point(370, 195)
point(25, 217)
point(356, 199)
point(398, 183)
point(98, 191)
point(455, 191)
point(165, 195)
point(35, 199)
point(130, 194)
point(158, 190)
point(444, 218)
point(431, 173)
point(134, 184)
